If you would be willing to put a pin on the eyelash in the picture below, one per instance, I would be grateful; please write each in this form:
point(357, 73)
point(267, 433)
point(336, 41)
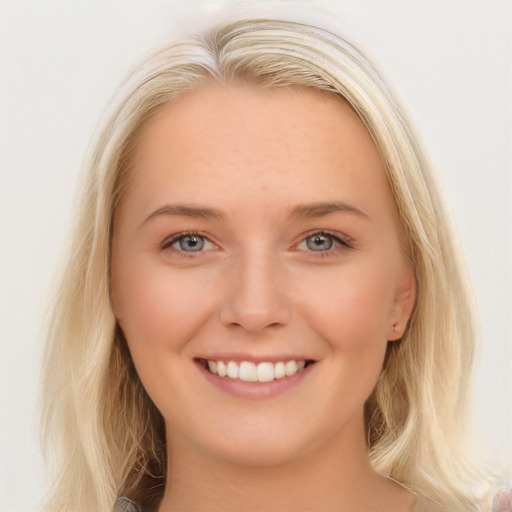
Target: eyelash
point(169, 242)
point(340, 244)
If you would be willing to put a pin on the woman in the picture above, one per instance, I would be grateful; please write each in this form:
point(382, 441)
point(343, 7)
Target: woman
point(264, 306)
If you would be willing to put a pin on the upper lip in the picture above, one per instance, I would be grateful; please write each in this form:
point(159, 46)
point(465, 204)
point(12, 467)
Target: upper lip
point(270, 358)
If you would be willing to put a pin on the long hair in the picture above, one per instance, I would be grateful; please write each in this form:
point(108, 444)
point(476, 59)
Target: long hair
point(102, 433)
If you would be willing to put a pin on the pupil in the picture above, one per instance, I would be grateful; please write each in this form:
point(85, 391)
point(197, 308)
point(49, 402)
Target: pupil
point(191, 243)
point(319, 243)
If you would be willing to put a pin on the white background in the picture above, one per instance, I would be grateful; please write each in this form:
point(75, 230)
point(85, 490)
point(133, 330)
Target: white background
point(60, 62)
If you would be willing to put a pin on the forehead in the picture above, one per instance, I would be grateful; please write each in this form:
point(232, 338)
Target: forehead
point(292, 143)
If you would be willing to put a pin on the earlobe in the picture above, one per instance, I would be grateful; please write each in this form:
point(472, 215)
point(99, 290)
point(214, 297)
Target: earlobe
point(405, 300)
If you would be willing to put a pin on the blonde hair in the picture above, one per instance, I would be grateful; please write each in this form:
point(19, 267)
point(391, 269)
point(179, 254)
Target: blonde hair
point(102, 433)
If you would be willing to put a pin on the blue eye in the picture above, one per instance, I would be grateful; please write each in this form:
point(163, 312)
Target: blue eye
point(324, 244)
point(320, 242)
point(188, 243)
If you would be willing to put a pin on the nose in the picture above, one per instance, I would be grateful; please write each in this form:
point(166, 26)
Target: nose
point(258, 296)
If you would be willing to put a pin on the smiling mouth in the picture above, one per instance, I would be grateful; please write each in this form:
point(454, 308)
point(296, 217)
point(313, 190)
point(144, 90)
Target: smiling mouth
point(247, 371)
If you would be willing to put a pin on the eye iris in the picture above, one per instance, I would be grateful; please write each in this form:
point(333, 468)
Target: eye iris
point(191, 243)
point(319, 243)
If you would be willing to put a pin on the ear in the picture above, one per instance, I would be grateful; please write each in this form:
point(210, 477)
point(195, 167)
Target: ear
point(405, 299)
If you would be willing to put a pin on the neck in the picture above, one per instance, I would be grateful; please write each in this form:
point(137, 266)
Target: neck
point(336, 475)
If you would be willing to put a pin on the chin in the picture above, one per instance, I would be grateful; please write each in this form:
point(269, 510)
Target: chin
point(264, 443)
point(257, 454)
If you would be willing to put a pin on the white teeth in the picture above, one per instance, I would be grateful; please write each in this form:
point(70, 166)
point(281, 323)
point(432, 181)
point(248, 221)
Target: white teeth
point(212, 366)
point(251, 372)
point(232, 370)
point(290, 368)
point(248, 372)
point(265, 372)
point(279, 372)
point(221, 368)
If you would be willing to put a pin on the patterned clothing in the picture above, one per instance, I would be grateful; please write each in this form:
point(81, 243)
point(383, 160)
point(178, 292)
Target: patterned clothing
point(123, 504)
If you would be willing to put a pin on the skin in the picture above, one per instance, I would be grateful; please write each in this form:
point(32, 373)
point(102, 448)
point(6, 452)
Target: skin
point(257, 288)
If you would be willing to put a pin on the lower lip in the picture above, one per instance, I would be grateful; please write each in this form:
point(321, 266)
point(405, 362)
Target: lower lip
point(255, 390)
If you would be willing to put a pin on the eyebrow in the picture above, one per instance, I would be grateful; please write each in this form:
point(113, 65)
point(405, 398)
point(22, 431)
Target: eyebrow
point(306, 211)
point(314, 210)
point(184, 210)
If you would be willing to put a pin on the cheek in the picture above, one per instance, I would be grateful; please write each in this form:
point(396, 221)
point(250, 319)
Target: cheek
point(352, 307)
point(160, 308)
point(351, 313)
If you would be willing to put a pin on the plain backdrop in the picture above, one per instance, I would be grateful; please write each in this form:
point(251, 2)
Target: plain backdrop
point(60, 62)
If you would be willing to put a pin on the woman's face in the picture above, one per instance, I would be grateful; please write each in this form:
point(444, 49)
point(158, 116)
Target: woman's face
point(258, 229)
